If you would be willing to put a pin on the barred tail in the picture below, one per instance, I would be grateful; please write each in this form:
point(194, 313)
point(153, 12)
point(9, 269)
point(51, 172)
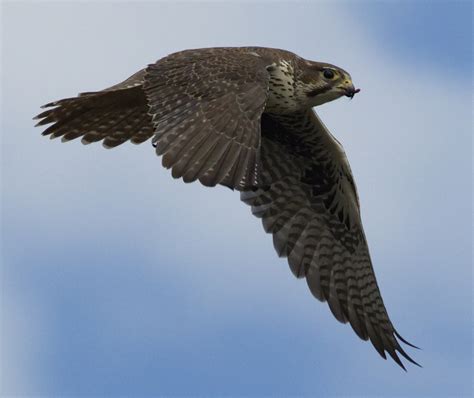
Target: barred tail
point(114, 115)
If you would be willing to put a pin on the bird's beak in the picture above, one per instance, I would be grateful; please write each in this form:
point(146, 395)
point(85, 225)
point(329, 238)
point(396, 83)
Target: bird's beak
point(350, 91)
point(347, 88)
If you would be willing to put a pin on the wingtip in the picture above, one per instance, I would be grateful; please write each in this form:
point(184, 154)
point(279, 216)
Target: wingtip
point(408, 358)
point(405, 355)
point(404, 341)
point(400, 363)
point(393, 354)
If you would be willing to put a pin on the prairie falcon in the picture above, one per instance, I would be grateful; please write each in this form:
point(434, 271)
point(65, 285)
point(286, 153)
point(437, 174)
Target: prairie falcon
point(243, 118)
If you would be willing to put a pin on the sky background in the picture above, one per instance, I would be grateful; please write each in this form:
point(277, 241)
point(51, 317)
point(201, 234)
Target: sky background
point(118, 280)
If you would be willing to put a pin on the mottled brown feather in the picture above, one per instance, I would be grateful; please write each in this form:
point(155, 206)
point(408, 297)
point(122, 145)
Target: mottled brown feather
point(202, 99)
point(302, 214)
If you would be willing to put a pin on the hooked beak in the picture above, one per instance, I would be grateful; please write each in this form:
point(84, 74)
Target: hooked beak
point(350, 91)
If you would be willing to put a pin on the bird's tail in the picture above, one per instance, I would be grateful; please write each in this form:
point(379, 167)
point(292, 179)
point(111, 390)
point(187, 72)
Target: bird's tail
point(114, 115)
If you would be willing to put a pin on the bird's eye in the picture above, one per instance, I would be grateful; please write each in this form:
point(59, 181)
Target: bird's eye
point(328, 74)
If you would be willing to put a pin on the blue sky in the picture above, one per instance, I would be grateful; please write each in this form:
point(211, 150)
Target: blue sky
point(118, 280)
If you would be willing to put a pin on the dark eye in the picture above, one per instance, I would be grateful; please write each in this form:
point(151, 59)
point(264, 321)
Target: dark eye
point(328, 74)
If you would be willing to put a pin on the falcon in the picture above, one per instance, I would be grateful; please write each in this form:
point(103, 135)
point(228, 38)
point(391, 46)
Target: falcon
point(243, 117)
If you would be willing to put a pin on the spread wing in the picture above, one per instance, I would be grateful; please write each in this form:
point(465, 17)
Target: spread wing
point(206, 106)
point(202, 107)
point(310, 205)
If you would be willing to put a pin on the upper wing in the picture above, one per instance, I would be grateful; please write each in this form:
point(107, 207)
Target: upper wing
point(206, 106)
point(203, 108)
point(310, 205)
point(115, 115)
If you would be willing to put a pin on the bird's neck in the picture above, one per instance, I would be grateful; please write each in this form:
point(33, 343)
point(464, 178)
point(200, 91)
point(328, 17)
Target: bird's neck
point(284, 94)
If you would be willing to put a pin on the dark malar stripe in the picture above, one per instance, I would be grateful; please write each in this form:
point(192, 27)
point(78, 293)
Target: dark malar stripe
point(318, 91)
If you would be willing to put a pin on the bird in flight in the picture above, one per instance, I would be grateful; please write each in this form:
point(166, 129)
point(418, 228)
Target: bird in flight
point(243, 117)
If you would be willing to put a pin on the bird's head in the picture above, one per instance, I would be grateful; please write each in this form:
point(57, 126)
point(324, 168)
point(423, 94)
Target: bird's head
point(321, 83)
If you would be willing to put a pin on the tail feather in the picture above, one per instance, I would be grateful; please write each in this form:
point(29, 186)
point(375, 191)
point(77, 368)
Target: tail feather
point(114, 116)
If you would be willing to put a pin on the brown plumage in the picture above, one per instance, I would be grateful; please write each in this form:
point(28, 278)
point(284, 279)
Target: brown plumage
point(243, 118)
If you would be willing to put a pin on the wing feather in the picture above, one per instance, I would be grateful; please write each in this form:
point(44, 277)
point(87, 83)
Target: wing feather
point(202, 99)
point(309, 202)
